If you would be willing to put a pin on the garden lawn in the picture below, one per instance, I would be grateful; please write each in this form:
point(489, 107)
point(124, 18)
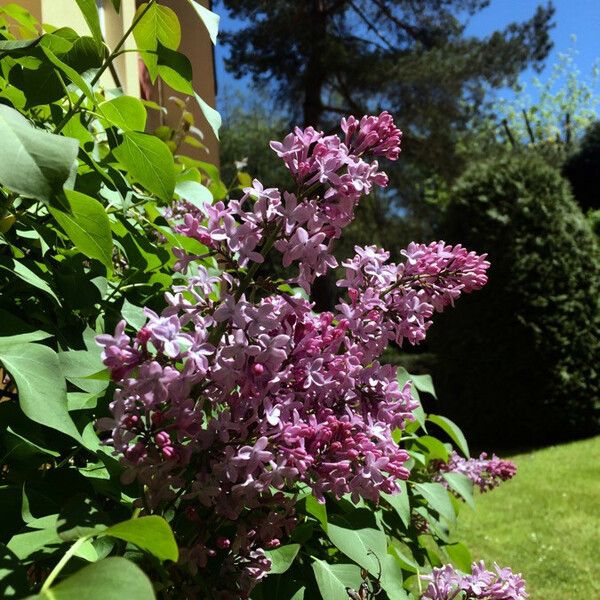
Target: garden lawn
point(545, 523)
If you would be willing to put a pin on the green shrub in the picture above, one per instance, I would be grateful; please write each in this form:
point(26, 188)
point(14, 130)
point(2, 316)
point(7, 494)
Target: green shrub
point(582, 169)
point(522, 357)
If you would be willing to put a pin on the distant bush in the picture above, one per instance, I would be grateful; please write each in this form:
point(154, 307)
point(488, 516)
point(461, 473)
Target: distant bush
point(520, 360)
point(582, 169)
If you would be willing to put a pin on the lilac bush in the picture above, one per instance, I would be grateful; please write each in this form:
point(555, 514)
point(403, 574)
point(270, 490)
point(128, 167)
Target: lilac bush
point(238, 393)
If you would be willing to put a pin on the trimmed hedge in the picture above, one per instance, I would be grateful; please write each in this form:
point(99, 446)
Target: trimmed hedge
point(582, 169)
point(521, 359)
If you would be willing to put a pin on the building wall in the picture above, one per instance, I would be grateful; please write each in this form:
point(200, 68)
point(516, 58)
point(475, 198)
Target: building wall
point(195, 44)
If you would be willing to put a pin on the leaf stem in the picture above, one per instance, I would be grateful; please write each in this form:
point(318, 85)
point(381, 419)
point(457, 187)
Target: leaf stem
point(61, 563)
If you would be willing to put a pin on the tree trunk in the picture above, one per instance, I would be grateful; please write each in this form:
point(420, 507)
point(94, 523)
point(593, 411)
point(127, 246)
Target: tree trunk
point(314, 74)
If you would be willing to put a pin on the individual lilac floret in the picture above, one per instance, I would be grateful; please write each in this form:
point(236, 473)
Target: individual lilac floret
point(446, 583)
point(486, 473)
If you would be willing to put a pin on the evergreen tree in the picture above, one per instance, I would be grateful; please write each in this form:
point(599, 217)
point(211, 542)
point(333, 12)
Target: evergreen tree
point(324, 58)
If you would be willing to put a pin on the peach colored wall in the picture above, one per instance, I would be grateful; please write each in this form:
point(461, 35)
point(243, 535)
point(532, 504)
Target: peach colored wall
point(196, 45)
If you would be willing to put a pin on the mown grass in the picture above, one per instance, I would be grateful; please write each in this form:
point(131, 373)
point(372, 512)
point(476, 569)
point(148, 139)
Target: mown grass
point(545, 523)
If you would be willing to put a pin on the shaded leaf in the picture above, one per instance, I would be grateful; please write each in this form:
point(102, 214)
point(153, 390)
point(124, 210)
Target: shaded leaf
point(27, 275)
point(36, 372)
point(175, 69)
point(34, 163)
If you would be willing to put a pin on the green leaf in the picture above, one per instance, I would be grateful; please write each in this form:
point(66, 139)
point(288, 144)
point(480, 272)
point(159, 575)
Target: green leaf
point(149, 161)
point(152, 534)
point(27, 275)
point(41, 386)
point(116, 4)
point(334, 579)
point(25, 544)
point(435, 450)
point(194, 192)
point(11, 45)
point(114, 578)
point(87, 226)
point(282, 558)
point(462, 485)
point(453, 431)
point(400, 502)
point(403, 556)
point(34, 163)
point(391, 578)
point(134, 315)
point(438, 499)
point(212, 116)
point(90, 14)
point(80, 368)
point(460, 556)
point(424, 384)
point(209, 18)
point(175, 69)
point(159, 25)
point(317, 510)
point(363, 546)
point(125, 112)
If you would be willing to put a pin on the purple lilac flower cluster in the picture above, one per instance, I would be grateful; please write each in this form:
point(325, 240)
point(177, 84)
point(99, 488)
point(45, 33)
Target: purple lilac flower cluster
point(331, 176)
point(486, 473)
point(446, 583)
point(226, 404)
point(394, 302)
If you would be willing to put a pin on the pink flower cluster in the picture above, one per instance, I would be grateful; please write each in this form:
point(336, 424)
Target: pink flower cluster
point(225, 404)
point(331, 176)
point(394, 302)
point(486, 473)
point(446, 583)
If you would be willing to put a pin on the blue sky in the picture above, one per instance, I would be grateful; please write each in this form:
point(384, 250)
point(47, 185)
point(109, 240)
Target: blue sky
point(580, 18)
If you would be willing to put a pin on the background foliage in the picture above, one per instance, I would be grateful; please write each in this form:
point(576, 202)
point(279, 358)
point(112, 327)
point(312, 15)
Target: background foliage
point(526, 348)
